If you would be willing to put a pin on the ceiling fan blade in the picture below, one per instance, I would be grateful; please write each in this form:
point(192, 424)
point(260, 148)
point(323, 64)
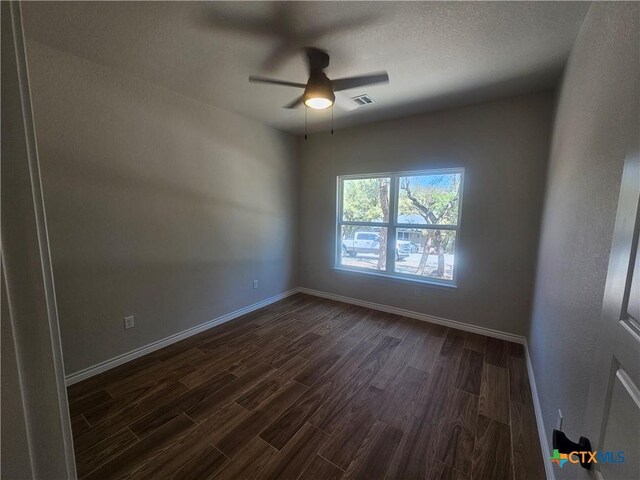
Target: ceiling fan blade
point(284, 26)
point(255, 27)
point(338, 26)
point(281, 52)
point(254, 79)
point(359, 81)
point(296, 103)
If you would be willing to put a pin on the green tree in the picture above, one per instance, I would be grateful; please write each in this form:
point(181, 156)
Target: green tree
point(437, 204)
point(383, 193)
point(362, 200)
point(367, 200)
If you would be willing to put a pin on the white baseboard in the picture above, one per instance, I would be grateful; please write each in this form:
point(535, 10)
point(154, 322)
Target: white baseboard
point(467, 327)
point(138, 352)
point(544, 446)
point(126, 357)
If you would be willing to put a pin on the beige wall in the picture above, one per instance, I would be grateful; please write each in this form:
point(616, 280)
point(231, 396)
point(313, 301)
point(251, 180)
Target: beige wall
point(502, 145)
point(159, 206)
point(596, 120)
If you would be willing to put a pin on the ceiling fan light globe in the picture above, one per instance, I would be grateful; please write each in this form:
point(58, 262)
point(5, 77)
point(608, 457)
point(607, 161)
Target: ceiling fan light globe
point(319, 93)
point(318, 103)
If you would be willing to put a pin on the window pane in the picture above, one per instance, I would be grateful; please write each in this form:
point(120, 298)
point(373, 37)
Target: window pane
point(363, 247)
point(429, 199)
point(426, 253)
point(365, 200)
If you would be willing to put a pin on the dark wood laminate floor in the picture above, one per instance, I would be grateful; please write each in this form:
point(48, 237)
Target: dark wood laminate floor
point(314, 389)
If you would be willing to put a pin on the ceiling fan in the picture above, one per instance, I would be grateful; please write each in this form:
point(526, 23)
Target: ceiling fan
point(319, 91)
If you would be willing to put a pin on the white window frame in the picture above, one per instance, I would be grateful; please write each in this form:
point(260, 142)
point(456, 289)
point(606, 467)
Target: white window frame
point(392, 225)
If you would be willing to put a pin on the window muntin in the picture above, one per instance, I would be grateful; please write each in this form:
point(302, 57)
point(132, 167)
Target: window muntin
point(419, 212)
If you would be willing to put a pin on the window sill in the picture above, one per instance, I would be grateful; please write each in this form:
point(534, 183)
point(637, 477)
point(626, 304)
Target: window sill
point(399, 278)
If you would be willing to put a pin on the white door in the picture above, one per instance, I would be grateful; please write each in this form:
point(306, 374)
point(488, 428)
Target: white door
point(613, 412)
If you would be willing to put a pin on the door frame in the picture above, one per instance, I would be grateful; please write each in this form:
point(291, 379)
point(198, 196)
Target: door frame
point(29, 291)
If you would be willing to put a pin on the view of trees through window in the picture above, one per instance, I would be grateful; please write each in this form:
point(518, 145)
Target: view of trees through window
point(401, 224)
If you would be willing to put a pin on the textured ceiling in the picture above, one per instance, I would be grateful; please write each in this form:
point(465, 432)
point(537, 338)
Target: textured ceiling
point(438, 54)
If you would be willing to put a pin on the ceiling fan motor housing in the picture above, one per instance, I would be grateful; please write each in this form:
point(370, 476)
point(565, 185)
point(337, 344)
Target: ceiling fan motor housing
point(317, 59)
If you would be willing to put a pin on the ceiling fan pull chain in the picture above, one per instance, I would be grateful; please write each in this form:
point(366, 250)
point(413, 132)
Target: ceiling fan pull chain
point(332, 119)
point(305, 122)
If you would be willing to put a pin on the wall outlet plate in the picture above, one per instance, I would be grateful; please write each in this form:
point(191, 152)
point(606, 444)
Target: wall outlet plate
point(255, 283)
point(129, 322)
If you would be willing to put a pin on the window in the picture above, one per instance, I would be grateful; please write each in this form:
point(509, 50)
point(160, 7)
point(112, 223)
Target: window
point(402, 225)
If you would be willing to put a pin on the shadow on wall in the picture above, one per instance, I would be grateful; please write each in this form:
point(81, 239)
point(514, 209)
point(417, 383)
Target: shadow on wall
point(159, 206)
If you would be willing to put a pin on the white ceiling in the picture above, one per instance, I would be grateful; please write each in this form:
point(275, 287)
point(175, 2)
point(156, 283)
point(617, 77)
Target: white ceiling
point(438, 54)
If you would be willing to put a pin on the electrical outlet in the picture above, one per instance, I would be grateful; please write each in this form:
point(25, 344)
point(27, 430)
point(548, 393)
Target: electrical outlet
point(129, 322)
point(559, 420)
point(255, 284)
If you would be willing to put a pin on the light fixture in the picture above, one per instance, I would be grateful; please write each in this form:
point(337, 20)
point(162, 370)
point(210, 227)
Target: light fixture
point(319, 92)
point(318, 103)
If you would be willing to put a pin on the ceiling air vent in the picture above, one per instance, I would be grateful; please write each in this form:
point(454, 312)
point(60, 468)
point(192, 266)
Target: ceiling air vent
point(361, 100)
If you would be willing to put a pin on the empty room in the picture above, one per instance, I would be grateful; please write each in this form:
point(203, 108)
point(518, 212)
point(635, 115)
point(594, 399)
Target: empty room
point(320, 240)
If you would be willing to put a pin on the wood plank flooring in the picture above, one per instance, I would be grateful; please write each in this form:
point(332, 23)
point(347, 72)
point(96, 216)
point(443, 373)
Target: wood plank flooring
point(309, 388)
